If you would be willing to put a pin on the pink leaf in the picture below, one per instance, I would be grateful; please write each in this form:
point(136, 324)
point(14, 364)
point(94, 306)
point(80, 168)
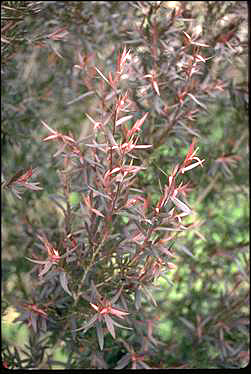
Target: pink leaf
point(109, 324)
point(97, 212)
point(155, 86)
point(136, 127)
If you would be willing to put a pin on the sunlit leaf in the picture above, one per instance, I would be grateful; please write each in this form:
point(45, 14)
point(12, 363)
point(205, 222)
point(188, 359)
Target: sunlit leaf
point(123, 119)
point(97, 212)
point(102, 75)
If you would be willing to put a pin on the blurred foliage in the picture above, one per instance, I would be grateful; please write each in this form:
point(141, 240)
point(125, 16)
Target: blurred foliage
point(203, 318)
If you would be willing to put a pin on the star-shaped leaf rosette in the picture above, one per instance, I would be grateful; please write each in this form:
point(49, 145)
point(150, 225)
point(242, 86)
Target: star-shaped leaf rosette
point(104, 308)
point(21, 181)
point(53, 258)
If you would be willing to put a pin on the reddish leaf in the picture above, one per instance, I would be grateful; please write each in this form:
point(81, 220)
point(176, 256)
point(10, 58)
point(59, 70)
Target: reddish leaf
point(109, 324)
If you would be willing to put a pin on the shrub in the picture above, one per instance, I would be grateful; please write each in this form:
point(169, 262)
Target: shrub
point(117, 228)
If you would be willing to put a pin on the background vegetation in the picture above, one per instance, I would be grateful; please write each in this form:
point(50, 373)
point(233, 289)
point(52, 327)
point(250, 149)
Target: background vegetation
point(202, 316)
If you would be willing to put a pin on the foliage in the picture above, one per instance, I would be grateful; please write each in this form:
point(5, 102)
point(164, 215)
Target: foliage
point(102, 106)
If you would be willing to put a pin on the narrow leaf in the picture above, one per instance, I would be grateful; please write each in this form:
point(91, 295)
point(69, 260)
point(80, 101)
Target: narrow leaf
point(123, 362)
point(187, 323)
point(89, 324)
point(167, 279)
point(64, 282)
point(34, 322)
point(91, 119)
point(46, 268)
point(97, 212)
point(181, 205)
point(197, 101)
point(109, 324)
point(186, 250)
point(116, 297)
point(119, 325)
point(191, 131)
point(148, 295)
point(102, 75)
point(95, 294)
point(162, 228)
point(155, 86)
point(80, 97)
point(49, 128)
point(100, 334)
point(201, 44)
point(37, 261)
point(138, 299)
point(99, 193)
point(123, 119)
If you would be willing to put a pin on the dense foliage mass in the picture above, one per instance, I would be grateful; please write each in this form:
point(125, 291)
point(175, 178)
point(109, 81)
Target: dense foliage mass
point(125, 184)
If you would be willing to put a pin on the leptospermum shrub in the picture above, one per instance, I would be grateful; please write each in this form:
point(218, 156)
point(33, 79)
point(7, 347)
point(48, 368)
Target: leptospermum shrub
point(94, 273)
point(90, 284)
